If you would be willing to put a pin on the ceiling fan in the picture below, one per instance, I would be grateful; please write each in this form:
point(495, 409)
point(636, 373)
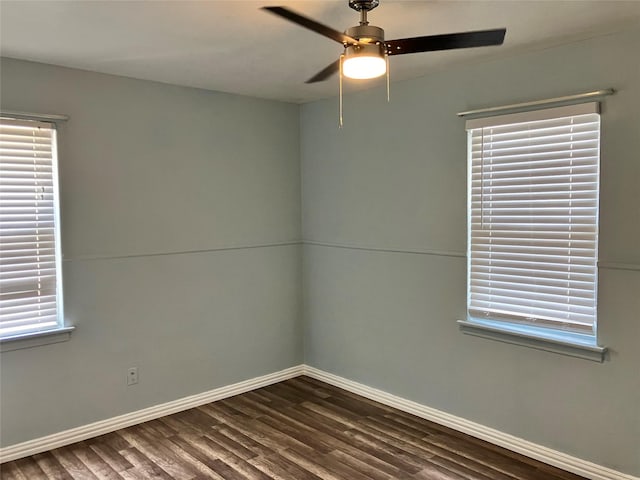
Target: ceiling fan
point(366, 51)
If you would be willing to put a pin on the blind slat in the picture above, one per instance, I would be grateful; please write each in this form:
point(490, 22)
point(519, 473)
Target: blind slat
point(21, 304)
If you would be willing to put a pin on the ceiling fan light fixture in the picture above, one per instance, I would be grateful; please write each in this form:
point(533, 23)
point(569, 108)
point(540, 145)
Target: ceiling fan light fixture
point(364, 61)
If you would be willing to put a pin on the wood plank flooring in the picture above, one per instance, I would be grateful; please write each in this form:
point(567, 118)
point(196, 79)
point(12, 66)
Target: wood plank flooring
point(300, 429)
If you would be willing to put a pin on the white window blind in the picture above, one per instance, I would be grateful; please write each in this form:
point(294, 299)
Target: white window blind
point(30, 286)
point(533, 217)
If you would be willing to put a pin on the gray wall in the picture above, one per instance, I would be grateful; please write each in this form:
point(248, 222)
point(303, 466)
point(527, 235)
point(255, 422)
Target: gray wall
point(384, 224)
point(162, 187)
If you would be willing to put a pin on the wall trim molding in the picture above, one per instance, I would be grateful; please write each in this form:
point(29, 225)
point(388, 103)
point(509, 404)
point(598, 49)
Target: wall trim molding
point(67, 437)
point(538, 452)
point(444, 253)
point(619, 266)
point(439, 253)
point(79, 258)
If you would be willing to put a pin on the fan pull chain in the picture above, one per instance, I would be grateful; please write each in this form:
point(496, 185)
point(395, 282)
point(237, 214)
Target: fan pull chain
point(386, 58)
point(340, 119)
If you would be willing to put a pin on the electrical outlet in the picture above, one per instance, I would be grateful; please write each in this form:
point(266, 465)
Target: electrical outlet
point(132, 376)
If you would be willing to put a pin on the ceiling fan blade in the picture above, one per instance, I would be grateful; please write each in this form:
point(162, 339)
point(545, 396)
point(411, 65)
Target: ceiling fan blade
point(448, 41)
point(312, 25)
point(326, 72)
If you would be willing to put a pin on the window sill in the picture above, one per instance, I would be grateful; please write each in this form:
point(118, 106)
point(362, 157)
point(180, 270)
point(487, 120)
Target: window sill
point(36, 339)
point(571, 344)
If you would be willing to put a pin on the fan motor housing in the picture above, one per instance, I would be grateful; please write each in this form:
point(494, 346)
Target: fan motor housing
point(365, 50)
point(366, 33)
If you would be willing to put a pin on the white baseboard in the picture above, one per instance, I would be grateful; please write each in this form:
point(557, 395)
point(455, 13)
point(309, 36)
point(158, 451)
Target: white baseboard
point(515, 444)
point(67, 437)
point(538, 452)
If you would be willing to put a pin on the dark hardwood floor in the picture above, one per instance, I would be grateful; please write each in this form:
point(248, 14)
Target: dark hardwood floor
point(298, 429)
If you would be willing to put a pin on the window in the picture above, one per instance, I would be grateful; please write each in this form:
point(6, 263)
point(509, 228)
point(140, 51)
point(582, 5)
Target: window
point(30, 270)
point(533, 222)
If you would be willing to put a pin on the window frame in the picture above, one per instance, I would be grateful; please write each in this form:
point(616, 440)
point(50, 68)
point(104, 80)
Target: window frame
point(574, 343)
point(61, 331)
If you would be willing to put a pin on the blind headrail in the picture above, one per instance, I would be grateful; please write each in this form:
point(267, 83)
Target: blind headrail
point(526, 106)
point(43, 117)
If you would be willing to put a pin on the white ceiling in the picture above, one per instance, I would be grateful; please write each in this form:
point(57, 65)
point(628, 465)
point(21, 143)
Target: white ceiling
point(233, 46)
